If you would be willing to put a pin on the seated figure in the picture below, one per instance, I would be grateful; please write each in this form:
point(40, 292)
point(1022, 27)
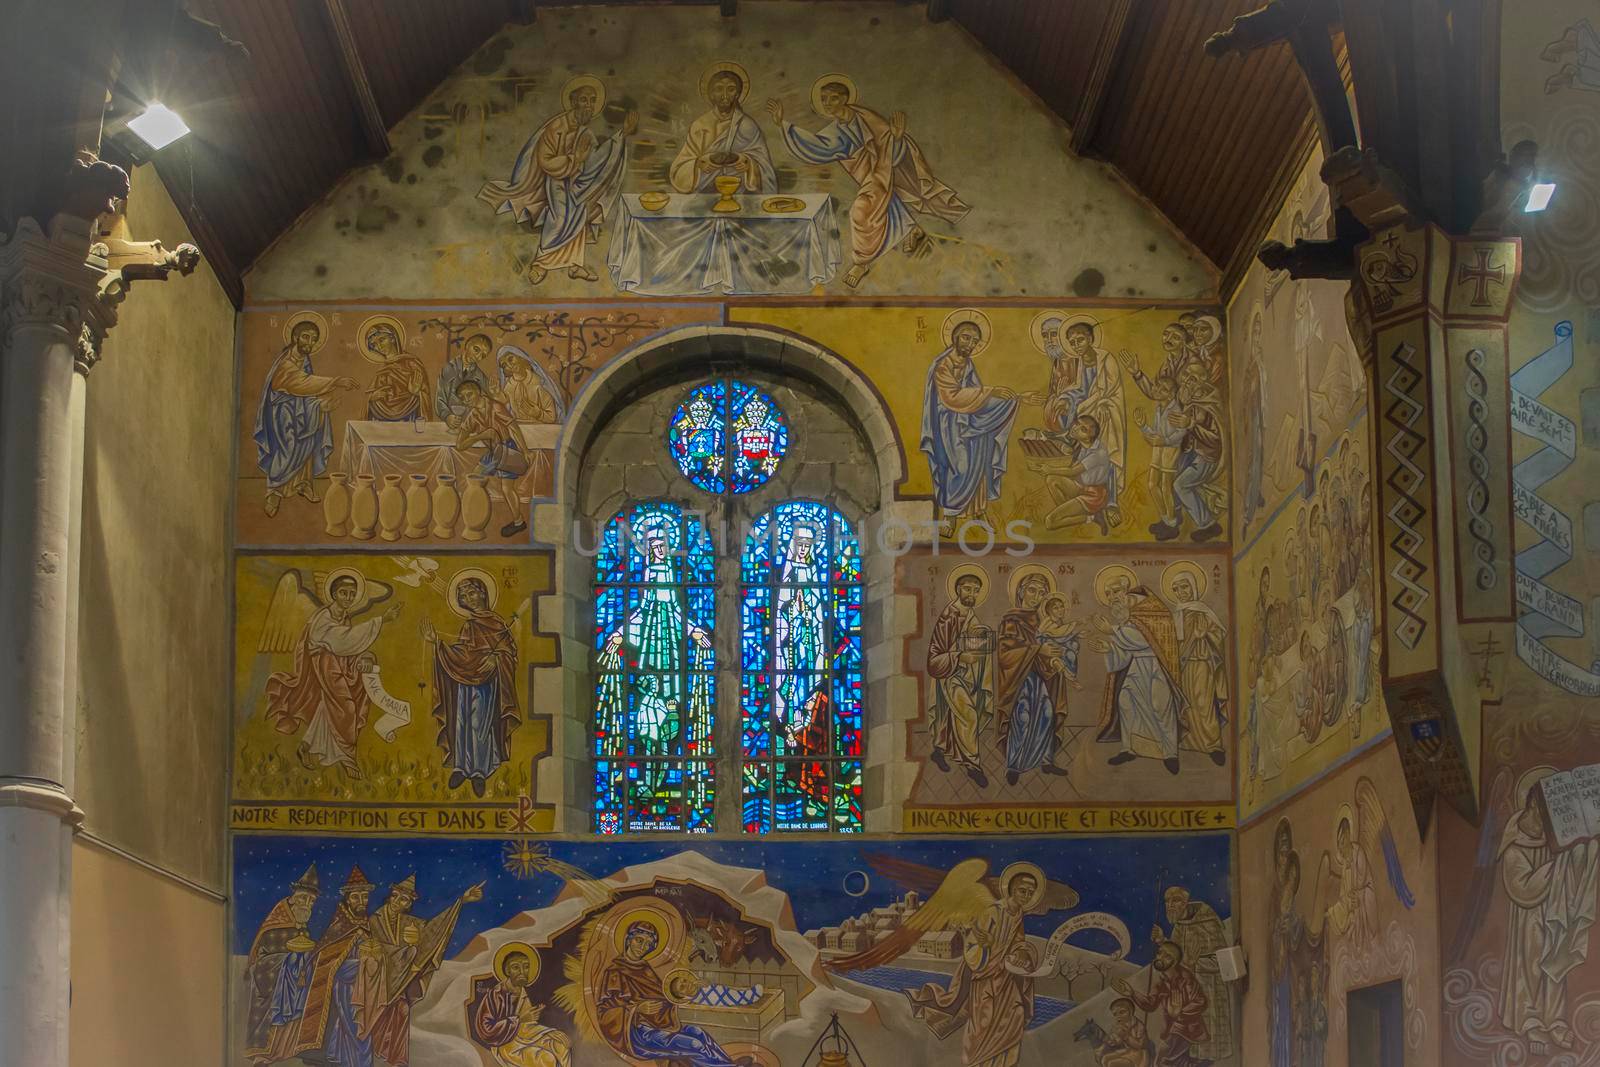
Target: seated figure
point(637, 1018)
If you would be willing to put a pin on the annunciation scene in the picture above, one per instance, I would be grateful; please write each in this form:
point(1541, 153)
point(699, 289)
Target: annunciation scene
point(387, 693)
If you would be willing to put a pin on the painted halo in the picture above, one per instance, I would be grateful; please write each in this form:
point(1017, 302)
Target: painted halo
point(851, 95)
point(306, 316)
point(1028, 570)
point(674, 981)
point(491, 587)
point(730, 67)
point(363, 587)
point(1036, 328)
point(1345, 814)
point(966, 570)
point(972, 315)
point(1103, 579)
point(368, 326)
point(1082, 320)
point(511, 948)
point(1174, 571)
point(578, 82)
point(1010, 874)
point(1530, 778)
point(649, 917)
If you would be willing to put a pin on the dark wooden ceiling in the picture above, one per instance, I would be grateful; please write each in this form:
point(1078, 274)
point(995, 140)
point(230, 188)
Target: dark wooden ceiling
point(1208, 142)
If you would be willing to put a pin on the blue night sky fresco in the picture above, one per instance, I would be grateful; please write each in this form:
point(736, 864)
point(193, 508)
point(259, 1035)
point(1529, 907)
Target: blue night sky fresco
point(1120, 875)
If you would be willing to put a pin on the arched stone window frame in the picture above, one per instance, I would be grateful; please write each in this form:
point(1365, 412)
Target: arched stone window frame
point(887, 526)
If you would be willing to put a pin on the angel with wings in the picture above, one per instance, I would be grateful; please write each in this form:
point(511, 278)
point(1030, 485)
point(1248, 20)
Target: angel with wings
point(991, 995)
point(1361, 834)
point(322, 693)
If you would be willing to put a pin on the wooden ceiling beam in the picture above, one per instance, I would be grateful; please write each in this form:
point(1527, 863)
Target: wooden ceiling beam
point(1107, 55)
point(212, 247)
point(373, 128)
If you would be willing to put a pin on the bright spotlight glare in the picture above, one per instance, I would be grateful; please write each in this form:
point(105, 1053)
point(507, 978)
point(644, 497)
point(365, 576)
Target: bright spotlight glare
point(1539, 196)
point(158, 126)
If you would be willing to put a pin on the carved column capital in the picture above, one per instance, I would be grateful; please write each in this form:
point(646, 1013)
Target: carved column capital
point(53, 282)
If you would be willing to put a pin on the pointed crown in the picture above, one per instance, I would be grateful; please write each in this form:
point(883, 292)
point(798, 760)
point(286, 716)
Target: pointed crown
point(306, 882)
point(357, 880)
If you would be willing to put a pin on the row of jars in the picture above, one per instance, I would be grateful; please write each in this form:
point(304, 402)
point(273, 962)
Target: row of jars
point(405, 507)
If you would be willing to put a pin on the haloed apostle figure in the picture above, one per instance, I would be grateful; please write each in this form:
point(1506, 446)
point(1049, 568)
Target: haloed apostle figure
point(1143, 697)
point(1035, 667)
point(323, 693)
point(474, 683)
point(638, 1020)
point(399, 390)
point(563, 180)
point(503, 1018)
point(966, 425)
point(724, 140)
point(894, 181)
point(277, 973)
point(293, 435)
point(959, 652)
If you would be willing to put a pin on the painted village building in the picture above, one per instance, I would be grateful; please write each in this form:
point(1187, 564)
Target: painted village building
point(789, 533)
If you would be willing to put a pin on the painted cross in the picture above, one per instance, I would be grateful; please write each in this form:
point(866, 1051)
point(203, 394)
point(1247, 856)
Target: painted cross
point(1481, 274)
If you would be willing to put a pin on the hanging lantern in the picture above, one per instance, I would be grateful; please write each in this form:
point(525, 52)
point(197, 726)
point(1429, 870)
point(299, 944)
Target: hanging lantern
point(834, 1048)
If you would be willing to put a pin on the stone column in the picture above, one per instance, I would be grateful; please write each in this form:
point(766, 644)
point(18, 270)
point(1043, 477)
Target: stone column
point(59, 290)
point(53, 324)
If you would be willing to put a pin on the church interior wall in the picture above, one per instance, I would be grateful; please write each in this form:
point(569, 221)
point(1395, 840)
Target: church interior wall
point(151, 758)
point(403, 283)
point(147, 976)
point(1509, 992)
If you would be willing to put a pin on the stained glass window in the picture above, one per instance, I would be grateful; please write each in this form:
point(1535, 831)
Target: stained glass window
point(800, 684)
point(728, 435)
point(655, 672)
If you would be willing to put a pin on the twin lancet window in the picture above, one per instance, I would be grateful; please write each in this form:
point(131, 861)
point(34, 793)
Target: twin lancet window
point(797, 610)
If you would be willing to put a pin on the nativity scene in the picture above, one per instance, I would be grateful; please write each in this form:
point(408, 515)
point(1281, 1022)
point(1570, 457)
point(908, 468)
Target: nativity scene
point(852, 534)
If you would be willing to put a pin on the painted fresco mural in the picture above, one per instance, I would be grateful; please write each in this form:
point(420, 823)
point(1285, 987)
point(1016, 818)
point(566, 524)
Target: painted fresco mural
point(1067, 685)
point(1058, 424)
point(1521, 984)
point(411, 353)
point(577, 157)
point(516, 953)
point(1304, 579)
point(437, 425)
point(388, 693)
point(1339, 894)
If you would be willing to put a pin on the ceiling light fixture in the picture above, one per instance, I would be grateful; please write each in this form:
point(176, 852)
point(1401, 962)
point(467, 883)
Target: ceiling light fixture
point(158, 126)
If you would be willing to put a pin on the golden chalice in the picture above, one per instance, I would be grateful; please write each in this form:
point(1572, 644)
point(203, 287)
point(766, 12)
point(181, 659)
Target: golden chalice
point(726, 185)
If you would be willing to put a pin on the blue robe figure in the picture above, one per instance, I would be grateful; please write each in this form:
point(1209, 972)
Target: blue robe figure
point(293, 435)
point(965, 427)
point(562, 181)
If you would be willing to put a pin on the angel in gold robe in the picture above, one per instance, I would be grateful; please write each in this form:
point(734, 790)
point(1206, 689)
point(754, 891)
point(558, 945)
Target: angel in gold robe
point(990, 998)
